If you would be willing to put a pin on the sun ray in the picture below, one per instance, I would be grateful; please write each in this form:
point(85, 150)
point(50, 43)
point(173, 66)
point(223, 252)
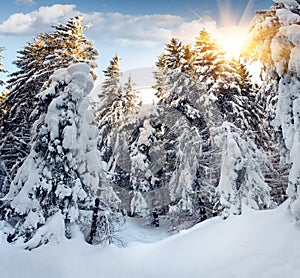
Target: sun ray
point(192, 11)
point(246, 16)
point(231, 33)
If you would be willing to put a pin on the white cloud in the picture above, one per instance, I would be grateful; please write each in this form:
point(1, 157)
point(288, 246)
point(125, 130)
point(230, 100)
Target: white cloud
point(144, 31)
point(137, 28)
point(37, 21)
point(25, 2)
point(187, 31)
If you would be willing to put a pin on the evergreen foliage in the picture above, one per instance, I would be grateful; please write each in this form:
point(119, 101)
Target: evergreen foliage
point(278, 50)
point(207, 147)
point(241, 181)
point(185, 134)
point(1, 66)
point(36, 63)
point(106, 115)
point(62, 171)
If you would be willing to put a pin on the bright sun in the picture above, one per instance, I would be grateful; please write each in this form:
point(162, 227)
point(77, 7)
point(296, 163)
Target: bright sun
point(231, 39)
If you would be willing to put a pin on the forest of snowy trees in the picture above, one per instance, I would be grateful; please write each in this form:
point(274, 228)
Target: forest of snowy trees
point(213, 143)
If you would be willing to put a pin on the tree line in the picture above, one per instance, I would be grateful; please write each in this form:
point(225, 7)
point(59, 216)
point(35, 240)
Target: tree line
point(213, 142)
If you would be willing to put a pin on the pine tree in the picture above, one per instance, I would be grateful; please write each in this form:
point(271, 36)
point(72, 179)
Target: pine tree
point(3, 94)
point(36, 62)
point(142, 178)
point(1, 66)
point(241, 180)
point(62, 171)
point(277, 50)
point(287, 119)
point(125, 108)
point(71, 46)
point(177, 59)
point(210, 62)
point(107, 114)
point(131, 100)
point(186, 137)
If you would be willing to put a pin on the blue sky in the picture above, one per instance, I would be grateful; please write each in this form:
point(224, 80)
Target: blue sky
point(135, 29)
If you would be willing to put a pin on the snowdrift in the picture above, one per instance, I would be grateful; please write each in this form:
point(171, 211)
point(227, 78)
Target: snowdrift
point(256, 244)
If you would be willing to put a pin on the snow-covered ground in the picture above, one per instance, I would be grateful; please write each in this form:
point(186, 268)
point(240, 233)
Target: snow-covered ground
point(256, 244)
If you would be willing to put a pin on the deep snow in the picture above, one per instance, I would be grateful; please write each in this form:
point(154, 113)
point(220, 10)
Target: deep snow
point(256, 244)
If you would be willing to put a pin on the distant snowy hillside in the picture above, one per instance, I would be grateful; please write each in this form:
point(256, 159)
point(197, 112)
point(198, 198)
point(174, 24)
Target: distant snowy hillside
point(256, 244)
point(143, 79)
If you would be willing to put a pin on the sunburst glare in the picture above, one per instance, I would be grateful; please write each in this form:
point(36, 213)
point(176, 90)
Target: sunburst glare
point(233, 27)
point(231, 38)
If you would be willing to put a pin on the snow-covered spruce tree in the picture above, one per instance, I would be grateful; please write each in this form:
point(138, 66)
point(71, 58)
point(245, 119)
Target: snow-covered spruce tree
point(278, 32)
point(178, 57)
point(106, 114)
point(137, 160)
point(62, 170)
point(186, 137)
point(3, 94)
point(229, 95)
point(125, 108)
point(116, 116)
point(70, 45)
point(1, 65)
point(258, 47)
point(241, 180)
point(212, 70)
point(285, 49)
point(210, 61)
point(227, 92)
point(187, 182)
point(3, 97)
point(142, 178)
point(36, 62)
point(116, 110)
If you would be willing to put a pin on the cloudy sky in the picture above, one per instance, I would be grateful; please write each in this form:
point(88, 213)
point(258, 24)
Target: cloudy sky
point(135, 29)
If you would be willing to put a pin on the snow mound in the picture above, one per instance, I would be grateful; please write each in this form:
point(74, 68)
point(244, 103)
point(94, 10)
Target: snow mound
point(255, 244)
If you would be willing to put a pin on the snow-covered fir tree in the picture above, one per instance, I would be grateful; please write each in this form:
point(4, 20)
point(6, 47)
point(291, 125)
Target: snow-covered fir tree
point(210, 62)
point(3, 94)
point(62, 171)
point(278, 50)
point(107, 115)
point(285, 49)
point(227, 93)
point(141, 177)
point(148, 193)
point(177, 57)
point(3, 97)
point(70, 45)
point(126, 107)
point(1, 65)
point(186, 137)
point(241, 180)
point(117, 118)
point(116, 110)
point(257, 49)
point(36, 62)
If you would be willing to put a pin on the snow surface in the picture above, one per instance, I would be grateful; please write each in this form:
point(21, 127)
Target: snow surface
point(255, 244)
